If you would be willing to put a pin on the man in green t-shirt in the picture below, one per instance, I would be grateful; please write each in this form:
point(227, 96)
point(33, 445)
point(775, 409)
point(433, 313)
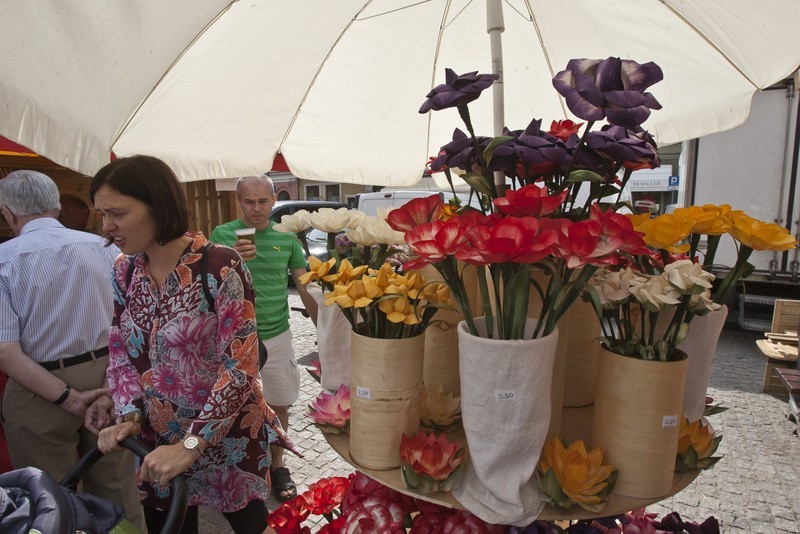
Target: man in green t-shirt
point(270, 260)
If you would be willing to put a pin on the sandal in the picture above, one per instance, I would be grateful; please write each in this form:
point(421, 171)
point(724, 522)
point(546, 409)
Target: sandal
point(283, 487)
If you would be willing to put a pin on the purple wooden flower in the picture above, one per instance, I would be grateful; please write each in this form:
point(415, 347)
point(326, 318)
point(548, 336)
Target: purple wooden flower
point(457, 91)
point(610, 88)
point(458, 153)
point(539, 151)
point(633, 148)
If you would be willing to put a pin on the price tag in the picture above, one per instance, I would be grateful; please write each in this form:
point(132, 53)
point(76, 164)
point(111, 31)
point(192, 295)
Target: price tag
point(505, 395)
point(669, 421)
point(363, 392)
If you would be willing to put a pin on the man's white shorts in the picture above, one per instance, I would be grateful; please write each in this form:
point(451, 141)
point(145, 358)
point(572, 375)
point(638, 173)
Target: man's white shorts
point(280, 375)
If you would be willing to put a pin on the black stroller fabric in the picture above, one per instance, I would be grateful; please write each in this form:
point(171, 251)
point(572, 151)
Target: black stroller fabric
point(31, 501)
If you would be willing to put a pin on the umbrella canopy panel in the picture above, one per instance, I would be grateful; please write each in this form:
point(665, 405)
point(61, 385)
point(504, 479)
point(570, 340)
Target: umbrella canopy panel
point(217, 88)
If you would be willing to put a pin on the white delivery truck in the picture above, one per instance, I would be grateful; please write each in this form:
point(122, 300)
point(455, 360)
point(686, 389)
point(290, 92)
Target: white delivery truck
point(369, 203)
point(754, 168)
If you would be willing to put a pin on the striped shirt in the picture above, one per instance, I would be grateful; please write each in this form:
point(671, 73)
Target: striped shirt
point(55, 290)
point(275, 253)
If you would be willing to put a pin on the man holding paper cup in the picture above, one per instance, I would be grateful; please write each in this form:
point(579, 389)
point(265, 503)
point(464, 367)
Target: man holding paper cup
point(270, 257)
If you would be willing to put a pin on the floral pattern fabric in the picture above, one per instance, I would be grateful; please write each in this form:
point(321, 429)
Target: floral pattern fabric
point(190, 370)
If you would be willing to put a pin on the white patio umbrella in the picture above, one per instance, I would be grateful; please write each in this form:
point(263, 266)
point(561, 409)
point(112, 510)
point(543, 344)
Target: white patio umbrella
point(216, 87)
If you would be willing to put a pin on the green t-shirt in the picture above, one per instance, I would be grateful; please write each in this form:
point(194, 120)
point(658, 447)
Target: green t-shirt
point(275, 253)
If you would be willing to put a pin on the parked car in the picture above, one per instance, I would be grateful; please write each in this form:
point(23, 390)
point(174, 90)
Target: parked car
point(288, 207)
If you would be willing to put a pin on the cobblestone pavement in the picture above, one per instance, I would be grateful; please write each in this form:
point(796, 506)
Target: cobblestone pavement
point(753, 489)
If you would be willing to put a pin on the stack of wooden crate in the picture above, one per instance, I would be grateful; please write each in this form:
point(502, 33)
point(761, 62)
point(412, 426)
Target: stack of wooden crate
point(780, 346)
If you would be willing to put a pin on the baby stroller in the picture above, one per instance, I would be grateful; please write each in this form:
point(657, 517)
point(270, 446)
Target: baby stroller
point(31, 502)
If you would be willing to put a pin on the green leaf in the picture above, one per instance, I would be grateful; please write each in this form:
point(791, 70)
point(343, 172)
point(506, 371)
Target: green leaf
point(583, 176)
point(479, 183)
point(499, 140)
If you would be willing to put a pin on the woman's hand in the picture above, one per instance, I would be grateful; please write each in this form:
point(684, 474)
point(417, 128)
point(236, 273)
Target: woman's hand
point(166, 462)
point(99, 414)
point(110, 438)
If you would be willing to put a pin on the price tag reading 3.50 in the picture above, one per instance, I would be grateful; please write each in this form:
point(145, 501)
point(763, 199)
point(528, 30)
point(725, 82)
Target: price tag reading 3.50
point(363, 392)
point(505, 395)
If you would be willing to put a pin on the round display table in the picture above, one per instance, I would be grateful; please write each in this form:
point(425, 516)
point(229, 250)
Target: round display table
point(576, 424)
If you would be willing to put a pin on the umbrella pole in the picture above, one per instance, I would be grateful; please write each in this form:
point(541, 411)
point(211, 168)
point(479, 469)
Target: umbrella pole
point(495, 27)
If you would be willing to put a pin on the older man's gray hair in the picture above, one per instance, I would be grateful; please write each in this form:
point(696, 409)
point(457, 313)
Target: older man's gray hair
point(29, 193)
point(262, 178)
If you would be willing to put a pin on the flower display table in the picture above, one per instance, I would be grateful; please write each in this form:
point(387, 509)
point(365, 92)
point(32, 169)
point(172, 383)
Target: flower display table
point(576, 424)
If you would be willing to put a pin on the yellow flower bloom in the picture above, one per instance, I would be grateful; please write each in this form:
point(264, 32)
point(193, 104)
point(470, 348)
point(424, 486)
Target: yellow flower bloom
point(760, 235)
point(345, 273)
point(637, 219)
point(436, 292)
point(582, 477)
point(448, 210)
point(696, 435)
point(317, 269)
point(399, 310)
point(352, 295)
point(709, 219)
point(666, 231)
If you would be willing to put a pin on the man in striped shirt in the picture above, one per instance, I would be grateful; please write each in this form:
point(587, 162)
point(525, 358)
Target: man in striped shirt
point(55, 313)
point(269, 260)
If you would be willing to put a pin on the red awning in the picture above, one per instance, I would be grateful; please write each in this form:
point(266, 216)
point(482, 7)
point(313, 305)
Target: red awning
point(279, 164)
point(10, 148)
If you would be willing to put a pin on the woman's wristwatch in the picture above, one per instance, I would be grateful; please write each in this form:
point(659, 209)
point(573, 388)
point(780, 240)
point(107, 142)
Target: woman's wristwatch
point(192, 443)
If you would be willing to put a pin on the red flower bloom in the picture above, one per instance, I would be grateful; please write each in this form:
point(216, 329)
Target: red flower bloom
point(620, 226)
point(529, 201)
point(288, 518)
point(511, 240)
point(564, 129)
point(428, 455)
point(375, 514)
point(325, 494)
point(577, 243)
point(430, 522)
point(415, 212)
point(361, 487)
point(434, 241)
point(334, 527)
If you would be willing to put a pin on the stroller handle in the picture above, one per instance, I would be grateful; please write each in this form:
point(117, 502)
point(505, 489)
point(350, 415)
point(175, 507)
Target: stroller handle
point(177, 510)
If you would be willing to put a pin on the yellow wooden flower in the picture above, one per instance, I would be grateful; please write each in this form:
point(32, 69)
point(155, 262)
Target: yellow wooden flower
point(709, 219)
point(317, 269)
point(569, 475)
point(696, 445)
point(637, 219)
point(351, 295)
point(760, 235)
point(436, 292)
point(666, 232)
point(399, 310)
point(345, 273)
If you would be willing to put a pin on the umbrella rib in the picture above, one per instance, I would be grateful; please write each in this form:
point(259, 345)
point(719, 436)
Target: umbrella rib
point(167, 71)
point(710, 43)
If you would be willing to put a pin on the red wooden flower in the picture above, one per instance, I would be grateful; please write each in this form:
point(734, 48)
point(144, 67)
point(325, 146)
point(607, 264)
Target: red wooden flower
point(288, 518)
point(324, 495)
point(415, 212)
point(529, 201)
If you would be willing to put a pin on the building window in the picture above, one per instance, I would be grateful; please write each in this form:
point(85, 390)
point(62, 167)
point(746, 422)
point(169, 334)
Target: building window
point(332, 192)
point(312, 192)
point(284, 195)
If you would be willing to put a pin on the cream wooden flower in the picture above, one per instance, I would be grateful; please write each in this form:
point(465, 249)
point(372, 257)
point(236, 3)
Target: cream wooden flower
point(334, 220)
point(438, 409)
point(294, 223)
point(374, 231)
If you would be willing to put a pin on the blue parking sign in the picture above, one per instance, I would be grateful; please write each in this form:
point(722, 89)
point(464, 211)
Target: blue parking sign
point(674, 181)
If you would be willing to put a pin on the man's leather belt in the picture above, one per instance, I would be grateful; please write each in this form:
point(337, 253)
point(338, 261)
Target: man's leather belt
point(75, 360)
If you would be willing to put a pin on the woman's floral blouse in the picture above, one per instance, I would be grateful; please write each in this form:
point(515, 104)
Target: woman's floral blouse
point(190, 370)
